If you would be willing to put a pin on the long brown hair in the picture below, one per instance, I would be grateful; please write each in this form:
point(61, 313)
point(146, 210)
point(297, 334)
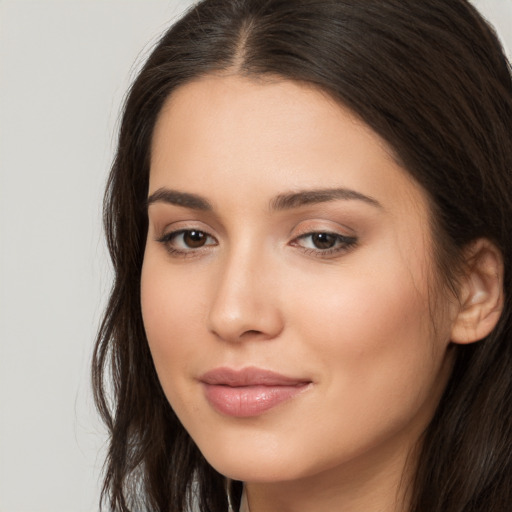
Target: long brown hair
point(430, 77)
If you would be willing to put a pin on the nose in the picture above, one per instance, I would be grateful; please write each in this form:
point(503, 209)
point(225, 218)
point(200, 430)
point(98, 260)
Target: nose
point(245, 305)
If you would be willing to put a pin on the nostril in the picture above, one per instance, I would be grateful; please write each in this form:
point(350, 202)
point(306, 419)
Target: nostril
point(251, 332)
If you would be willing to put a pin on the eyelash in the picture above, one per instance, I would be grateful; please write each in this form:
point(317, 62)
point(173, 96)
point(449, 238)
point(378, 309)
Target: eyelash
point(342, 243)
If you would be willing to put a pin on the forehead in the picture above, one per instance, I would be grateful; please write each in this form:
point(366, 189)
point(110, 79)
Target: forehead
point(271, 136)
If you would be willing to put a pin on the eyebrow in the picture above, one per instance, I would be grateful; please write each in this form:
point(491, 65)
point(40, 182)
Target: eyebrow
point(281, 202)
point(185, 199)
point(306, 197)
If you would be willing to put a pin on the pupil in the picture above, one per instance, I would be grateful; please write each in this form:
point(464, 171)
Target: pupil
point(323, 240)
point(194, 239)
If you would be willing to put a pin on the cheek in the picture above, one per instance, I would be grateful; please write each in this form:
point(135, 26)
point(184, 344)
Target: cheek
point(371, 330)
point(368, 305)
point(369, 334)
point(173, 312)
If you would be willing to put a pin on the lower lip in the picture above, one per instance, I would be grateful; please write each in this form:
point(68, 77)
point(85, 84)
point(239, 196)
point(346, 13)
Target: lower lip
point(247, 401)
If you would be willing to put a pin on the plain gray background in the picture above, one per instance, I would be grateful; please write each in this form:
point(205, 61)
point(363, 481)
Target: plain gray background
point(64, 68)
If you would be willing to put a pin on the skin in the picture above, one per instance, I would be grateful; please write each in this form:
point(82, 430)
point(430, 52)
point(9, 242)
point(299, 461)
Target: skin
point(354, 320)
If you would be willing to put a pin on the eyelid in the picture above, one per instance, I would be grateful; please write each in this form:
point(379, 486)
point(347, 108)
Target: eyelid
point(322, 226)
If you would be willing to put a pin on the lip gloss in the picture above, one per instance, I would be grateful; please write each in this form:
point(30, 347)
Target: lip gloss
point(250, 391)
point(248, 400)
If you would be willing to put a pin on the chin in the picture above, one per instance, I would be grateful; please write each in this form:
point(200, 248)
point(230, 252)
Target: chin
point(266, 462)
point(250, 463)
point(257, 472)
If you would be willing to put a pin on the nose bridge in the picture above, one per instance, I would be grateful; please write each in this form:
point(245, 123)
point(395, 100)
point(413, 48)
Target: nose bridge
point(245, 302)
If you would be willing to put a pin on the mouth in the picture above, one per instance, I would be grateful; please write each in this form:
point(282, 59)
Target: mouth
point(250, 391)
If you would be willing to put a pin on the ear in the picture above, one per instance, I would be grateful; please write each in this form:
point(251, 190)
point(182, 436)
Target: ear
point(481, 293)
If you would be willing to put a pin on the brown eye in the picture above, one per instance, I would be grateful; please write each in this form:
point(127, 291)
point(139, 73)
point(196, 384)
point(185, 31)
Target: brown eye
point(324, 240)
point(194, 239)
point(324, 244)
point(186, 241)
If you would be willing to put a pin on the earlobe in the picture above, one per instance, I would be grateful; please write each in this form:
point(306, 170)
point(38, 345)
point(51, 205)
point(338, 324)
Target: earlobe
point(481, 293)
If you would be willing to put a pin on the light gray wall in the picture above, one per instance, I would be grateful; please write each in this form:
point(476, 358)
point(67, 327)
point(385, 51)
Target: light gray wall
point(64, 67)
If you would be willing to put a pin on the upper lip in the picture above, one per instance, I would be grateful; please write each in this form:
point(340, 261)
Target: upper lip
point(250, 376)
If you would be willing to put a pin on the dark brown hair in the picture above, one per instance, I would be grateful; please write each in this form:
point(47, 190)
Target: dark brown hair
point(430, 77)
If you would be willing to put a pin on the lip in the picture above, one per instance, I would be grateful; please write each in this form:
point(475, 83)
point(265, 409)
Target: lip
point(250, 391)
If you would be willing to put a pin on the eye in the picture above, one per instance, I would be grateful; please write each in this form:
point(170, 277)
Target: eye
point(194, 239)
point(323, 240)
point(186, 240)
point(324, 243)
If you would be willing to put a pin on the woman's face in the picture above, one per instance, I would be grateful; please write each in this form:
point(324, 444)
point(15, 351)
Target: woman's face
point(287, 283)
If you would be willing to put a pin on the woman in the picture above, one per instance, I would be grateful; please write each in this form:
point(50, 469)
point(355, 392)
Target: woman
point(309, 220)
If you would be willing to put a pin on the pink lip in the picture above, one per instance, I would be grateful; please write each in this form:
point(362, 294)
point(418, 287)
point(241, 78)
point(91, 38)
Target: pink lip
point(250, 391)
